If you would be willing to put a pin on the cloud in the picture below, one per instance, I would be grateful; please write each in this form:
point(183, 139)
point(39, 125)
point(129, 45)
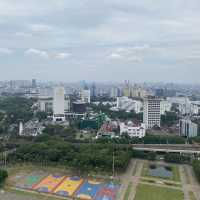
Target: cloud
point(36, 52)
point(106, 33)
point(21, 8)
point(5, 51)
point(23, 34)
point(131, 49)
point(40, 27)
point(135, 59)
point(115, 56)
point(47, 55)
point(62, 55)
point(125, 57)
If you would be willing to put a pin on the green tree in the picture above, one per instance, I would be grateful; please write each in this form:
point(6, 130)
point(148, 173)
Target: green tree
point(3, 176)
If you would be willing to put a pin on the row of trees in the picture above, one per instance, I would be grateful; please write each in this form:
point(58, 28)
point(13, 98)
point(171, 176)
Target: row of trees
point(144, 155)
point(16, 108)
point(13, 109)
point(83, 157)
point(146, 140)
point(177, 158)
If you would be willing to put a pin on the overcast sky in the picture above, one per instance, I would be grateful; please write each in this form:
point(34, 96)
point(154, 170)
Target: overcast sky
point(100, 40)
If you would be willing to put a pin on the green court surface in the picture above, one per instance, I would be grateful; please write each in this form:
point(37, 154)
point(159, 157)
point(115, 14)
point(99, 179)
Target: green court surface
point(31, 180)
point(149, 192)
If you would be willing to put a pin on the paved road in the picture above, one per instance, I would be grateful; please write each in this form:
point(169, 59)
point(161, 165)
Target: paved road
point(126, 179)
point(136, 180)
point(184, 183)
point(193, 184)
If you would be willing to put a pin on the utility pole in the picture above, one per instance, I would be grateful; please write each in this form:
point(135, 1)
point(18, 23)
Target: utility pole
point(5, 161)
point(113, 165)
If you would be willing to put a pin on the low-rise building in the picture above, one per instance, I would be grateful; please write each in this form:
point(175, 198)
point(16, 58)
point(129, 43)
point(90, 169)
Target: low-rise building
point(133, 130)
point(31, 128)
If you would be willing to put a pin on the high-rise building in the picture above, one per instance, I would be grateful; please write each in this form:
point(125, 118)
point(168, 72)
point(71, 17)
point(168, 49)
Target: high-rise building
point(59, 104)
point(34, 83)
point(151, 115)
point(188, 128)
point(128, 104)
point(85, 95)
point(115, 92)
point(93, 93)
point(159, 92)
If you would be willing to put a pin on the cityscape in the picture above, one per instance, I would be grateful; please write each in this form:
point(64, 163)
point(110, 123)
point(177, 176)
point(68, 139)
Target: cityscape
point(99, 100)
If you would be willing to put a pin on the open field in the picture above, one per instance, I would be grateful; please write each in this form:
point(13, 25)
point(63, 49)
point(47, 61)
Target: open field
point(54, 183)
point(149, 192)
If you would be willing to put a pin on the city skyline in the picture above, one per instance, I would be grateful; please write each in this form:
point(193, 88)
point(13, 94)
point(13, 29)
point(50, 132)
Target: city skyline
point(100, 41)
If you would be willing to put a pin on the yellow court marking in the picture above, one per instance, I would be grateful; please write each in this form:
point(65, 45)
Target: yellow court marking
point(69, 186)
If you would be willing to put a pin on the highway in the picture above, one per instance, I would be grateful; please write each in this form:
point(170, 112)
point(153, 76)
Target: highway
point(170, 148)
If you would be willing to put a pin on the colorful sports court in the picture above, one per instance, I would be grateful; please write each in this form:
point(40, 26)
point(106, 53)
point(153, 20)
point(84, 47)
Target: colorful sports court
point(69, 186)
point(49, 184)
point(89, 190)
point(65, 186)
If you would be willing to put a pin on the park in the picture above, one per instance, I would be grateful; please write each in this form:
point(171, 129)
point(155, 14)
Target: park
point(143, 180)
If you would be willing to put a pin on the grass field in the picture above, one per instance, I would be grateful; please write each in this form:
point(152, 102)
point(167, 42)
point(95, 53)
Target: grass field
point(175, 170)
point(192, 197)
point(176, 174)
point(148, 192)
point(128, 190)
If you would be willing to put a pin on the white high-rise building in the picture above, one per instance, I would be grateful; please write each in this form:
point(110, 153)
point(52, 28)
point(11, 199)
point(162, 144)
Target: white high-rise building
point(151, 115)
point(59, 104)
point(85, 95)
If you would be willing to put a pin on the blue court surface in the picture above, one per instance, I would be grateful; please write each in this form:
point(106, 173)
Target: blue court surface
point(89, 190)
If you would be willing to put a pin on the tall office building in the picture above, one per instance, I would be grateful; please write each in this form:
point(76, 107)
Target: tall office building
point(93, 94)
point(85, 95)
point(151, 115)
point(59, 104)
point(34, 83)
point(188, 128)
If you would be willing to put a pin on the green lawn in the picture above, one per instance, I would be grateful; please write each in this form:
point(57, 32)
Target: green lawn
point(128, 190)
point(176, 174)
point(135, 169)
point(148, 192)
point(192, 197)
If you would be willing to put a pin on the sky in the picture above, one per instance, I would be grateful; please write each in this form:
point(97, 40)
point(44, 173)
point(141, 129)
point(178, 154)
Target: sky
point(100, 40)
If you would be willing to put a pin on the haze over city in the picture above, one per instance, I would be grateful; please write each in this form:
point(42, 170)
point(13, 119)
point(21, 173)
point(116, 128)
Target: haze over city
point(100, 99)
point(108, 40)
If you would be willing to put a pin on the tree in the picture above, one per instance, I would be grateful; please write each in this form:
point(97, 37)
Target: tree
point(169, 119)
point(151, 156)
point(3, 176)
point(82, 157)
point(41, 115)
